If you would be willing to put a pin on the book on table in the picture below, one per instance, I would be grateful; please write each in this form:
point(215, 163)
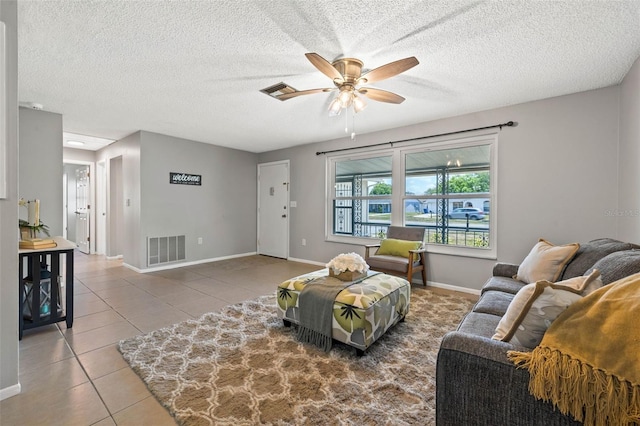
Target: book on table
point(37, 243)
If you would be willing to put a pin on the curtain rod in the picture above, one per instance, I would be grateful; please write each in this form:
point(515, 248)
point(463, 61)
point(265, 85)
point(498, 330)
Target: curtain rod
point(507, 124)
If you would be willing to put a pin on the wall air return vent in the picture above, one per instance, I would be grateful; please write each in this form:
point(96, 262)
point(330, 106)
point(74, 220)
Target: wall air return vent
point(278, 89)
point(165, 249)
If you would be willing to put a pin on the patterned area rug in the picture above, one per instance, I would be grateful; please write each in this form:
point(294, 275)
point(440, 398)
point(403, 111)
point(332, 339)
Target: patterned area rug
point(241, 366)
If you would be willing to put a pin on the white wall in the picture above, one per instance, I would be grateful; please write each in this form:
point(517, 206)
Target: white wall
point(78, 155)
point(9, 384)
point(563, 152)
point(40, 165)
point(629, 171)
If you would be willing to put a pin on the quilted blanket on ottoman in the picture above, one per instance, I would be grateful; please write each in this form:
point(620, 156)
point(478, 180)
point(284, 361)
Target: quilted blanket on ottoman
point(362, 312)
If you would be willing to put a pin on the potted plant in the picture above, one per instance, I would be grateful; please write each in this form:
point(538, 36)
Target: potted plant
point(29, 229)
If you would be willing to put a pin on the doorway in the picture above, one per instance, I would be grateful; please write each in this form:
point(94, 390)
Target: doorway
point(273, 209)
point(116, 209)
point(77, 202)
point(83, 194)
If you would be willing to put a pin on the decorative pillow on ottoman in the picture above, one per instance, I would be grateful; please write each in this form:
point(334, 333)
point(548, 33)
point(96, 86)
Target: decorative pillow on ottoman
point(537, 305)
point(545, 262)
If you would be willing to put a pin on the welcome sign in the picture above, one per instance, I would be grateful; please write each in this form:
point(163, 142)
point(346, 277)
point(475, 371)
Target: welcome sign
point(184, 179)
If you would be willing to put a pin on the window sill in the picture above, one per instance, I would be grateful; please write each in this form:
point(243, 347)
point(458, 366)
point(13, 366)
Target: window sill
point(355, 241)
point(478, 253)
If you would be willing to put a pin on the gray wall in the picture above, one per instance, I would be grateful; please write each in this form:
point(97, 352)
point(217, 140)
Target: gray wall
point(629, 171)
point(563, 154)
point(40, 165)
point(222, 210)
point(9, 214)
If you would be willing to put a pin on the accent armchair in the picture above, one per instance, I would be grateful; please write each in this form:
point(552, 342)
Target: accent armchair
point(404, 263)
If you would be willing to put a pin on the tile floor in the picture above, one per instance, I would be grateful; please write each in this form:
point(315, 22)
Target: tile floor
point(77, 376)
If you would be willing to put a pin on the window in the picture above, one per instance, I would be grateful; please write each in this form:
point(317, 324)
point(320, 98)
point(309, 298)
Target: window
point(361, 203)
point(446, 190)
point(446, 187)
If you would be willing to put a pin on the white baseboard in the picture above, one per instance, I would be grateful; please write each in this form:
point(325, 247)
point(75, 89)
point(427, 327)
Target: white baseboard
point(311, 262)
point(181, 264)
point(450, 287)
point(114, 257)
point(10, 391)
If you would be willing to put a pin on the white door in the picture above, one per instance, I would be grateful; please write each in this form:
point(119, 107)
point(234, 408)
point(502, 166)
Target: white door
point(82, 208)
point(273, 209)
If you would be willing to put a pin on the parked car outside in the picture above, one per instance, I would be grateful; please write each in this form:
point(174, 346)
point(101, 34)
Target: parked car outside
point(462, 212)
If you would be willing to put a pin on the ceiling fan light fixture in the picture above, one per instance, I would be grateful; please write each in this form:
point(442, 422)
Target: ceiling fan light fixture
point(346, 96)
point(335, 107)
point(358, 104)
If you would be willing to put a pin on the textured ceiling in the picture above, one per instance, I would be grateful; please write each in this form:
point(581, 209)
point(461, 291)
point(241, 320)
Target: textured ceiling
point(193, 69)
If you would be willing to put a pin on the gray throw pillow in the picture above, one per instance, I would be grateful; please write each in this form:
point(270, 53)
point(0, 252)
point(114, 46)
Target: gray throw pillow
point(617, 265)
point(588, 254)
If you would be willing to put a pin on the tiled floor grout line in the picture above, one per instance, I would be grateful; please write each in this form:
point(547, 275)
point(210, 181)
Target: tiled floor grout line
point(77, 357)
point(93, 385)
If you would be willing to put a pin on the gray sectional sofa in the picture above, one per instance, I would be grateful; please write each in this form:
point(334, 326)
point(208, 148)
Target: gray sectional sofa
point(475, 382)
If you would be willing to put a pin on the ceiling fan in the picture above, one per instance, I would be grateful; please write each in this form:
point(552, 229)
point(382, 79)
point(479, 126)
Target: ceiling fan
point(346, 74)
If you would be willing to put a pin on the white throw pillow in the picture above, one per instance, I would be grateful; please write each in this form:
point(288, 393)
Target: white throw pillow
point(537, 305)
point(545, 262)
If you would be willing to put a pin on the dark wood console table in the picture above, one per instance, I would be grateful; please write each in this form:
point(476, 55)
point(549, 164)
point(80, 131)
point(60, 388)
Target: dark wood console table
point(40, 272)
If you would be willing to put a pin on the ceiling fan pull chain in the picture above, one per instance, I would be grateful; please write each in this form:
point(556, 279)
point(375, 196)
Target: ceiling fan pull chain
point(353, 125)
point(346, 122)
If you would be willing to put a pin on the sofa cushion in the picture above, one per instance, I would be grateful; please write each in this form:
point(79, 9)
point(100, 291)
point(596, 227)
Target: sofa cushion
point(493, 302)
point(479, 324)
point(589, 253)
point(618, 265)
point(390, 263)
point(536, 306)
point(545, 262)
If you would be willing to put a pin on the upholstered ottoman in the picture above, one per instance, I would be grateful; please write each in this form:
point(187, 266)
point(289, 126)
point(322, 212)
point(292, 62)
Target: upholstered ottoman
point(362, 312)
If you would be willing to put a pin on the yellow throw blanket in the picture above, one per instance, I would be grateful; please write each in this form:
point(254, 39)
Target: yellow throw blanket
point(588, 363)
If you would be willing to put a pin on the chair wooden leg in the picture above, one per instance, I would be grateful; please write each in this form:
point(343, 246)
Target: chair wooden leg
point(410, 270)
point(424, 275)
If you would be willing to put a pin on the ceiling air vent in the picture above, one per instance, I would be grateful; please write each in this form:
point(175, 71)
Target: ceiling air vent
point(278, 89)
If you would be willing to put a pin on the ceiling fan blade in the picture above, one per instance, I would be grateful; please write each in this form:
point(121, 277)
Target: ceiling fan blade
point(301, 93)
point(324, 67)
point(389, 70)
point(381, 95)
